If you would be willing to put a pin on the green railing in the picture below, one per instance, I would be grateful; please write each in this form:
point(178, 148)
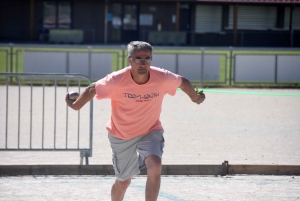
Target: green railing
point(207, 67)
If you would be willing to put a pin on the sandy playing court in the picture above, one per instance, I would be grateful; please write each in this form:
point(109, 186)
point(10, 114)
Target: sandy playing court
point(240, 128)
point(241, 188)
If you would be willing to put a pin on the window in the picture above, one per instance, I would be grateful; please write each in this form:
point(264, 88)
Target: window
point(296, 18)
point(49, 15)
point(254, 17)
point(64, 15)
point(130, 18)
point(116, 22)
point(208, 18)
point(116, 13)
point(57, 15)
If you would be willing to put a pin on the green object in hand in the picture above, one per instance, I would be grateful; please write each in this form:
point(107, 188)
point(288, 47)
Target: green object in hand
point(198, 92)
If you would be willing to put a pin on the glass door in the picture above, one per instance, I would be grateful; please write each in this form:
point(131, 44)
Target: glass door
point(130, 22)
point(116, 23)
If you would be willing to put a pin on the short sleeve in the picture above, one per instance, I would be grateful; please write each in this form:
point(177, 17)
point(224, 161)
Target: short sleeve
point(104, 88)
point(173, 81)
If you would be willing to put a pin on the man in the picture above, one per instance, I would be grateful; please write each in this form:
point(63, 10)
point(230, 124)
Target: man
point(134, 129)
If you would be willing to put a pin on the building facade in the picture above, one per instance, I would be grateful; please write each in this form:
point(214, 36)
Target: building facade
point(247, 23)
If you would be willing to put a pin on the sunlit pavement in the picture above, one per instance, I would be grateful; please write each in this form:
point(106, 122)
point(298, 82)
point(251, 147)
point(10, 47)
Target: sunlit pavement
point(182, 188)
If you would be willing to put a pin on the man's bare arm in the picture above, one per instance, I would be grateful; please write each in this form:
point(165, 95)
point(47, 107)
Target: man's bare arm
point(83, 98)
point(188, 88)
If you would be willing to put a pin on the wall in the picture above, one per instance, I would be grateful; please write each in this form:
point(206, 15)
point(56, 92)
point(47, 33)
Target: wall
point(14, 20)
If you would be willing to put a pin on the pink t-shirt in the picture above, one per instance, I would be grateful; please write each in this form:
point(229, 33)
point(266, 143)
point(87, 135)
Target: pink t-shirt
point(136, 108)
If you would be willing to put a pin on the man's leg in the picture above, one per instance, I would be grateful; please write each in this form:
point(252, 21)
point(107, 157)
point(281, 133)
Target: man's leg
point(125, 163)
point(118, 189)
point(154, 166)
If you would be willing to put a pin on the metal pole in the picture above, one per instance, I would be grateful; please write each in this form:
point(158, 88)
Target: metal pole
point(6, 61)
point(230, 65)
point(176, 64)
point(118, 61)
point(17, 67)
point(43, 113)
point(67, 62)
point(19, 111)
point(11, 57)
point(11, 60)
point(67, 115)
point(55, 108)
point(123, 56)
point(90, 60)
point(276, 60)
point(31, 91)
point(86, 159)
point(202, 67)
point(78, 118)
point(91, 127)
point(6, 125)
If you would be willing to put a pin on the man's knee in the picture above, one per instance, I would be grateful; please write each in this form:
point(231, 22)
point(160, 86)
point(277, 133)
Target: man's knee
point(122, 185)
point(153, 164)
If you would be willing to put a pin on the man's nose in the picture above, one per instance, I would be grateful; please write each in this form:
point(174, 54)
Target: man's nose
point(143, 61)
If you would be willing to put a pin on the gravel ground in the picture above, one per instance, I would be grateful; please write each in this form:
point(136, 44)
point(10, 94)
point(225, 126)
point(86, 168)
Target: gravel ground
point(242, 188)
point(240, 128)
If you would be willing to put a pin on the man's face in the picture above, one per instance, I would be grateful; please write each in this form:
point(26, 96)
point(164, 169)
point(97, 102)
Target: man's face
point(140, 62)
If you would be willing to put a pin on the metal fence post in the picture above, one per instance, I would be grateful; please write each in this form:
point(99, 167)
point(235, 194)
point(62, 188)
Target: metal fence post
point(276, 66)
point(202, 67)
point(11, 57)
point(230, 65)
point(11, 61)
point(176, 64)
point(123, 55)
point(68, 62)
point(90, 61)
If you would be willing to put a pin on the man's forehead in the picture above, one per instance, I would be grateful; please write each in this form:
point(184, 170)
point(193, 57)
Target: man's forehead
point(142, 54)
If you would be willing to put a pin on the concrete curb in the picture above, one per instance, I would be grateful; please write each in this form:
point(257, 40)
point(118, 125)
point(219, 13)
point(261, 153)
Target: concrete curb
point(223, 169)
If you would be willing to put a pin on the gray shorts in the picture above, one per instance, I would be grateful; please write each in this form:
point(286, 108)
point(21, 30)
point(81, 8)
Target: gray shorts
point(129, 155)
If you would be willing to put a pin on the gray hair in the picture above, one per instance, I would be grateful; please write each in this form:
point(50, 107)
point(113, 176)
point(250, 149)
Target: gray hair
point(136, 46)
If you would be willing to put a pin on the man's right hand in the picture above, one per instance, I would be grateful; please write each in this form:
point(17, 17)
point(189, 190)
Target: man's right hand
point(83, 98)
